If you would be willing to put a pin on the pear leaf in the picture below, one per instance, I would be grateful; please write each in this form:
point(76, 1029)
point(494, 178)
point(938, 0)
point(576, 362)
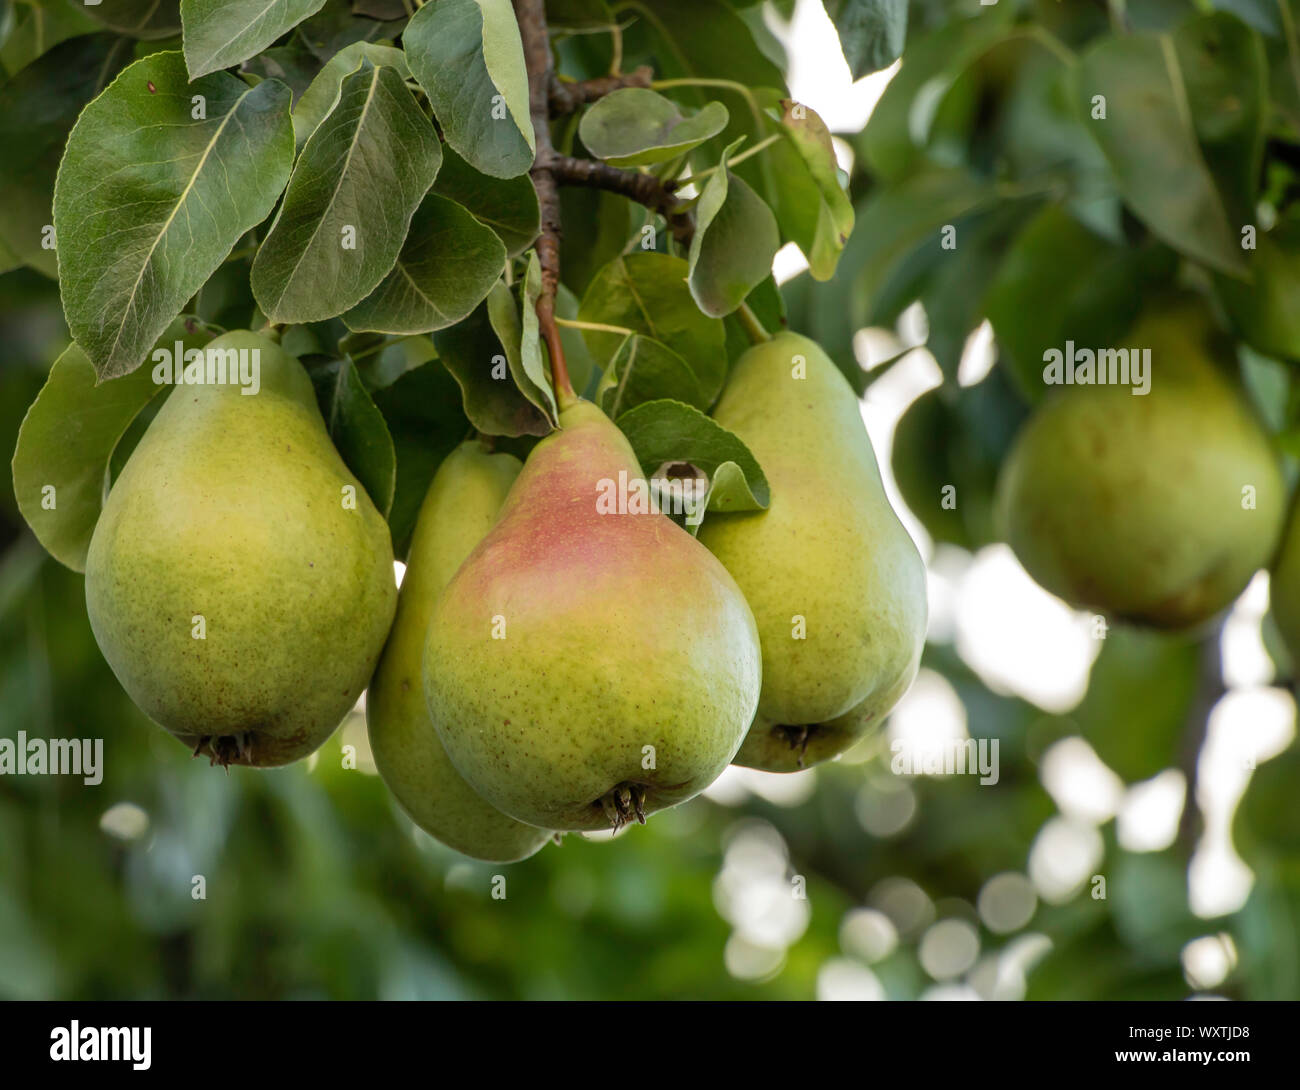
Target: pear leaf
point(358, 182)
point(473, 354)
point(578, 14)
point(322, 94)
point(872, 32)
point(520, 341)
point(1147, 136)
point(447, 266)
point(150, 198)
point(467, 56)
point(671, 431)
point(644, 370)
point(811, 203)
point(736, 238)
point(646, 292)
point(222, 33)
point(357, 428)
point(635, 126)
point(38, 108)
point(147, 19)
point(68, 437)
point(507, 205)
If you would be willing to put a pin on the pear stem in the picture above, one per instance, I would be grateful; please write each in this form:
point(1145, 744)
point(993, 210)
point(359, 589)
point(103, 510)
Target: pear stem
point(535, 37)
point(753, 327)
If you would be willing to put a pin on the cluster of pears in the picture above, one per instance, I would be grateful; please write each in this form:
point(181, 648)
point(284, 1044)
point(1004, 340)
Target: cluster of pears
point(1154, 508)
point(552, 665)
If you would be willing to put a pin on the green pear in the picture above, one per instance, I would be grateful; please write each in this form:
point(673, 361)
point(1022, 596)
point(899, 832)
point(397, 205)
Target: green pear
point(239, 580)
point(1263, 309)
point(1157, 507)
point(590, 661)
point(835, 582)
point(460, 507)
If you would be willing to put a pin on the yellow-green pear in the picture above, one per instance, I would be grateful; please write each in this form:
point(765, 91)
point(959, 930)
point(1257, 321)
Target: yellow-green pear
point(460, 507)
point(835, 582)
point(590, 662)
point(1155, 507)
point(239, 580)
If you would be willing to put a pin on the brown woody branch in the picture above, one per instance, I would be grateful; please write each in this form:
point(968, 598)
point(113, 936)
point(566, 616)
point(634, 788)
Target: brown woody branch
point(541, 75)
point(645, 189)
point(568, 96)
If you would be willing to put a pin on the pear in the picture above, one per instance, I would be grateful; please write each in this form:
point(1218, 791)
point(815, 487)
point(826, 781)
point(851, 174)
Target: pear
point(590, 661)
point(1156, 508)
point(460, 507)
point(239, 580)
point(835, 582)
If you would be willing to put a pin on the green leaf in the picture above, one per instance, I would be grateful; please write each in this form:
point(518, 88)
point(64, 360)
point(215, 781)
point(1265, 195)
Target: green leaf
point(894, 138)
point(1139, 695)
point(447, 266)
point(644, 370)
point(1059, 281)
point(634, 126)
point(67, 440)
point(646, 292)
point(336, 27)
point(735, 240)
point(1148, 137)
point(578, 14)
point(293, 64)
point(38, 108)
point(900, 225)
point(138, 18)
point(507, 205)
point(473, 354)
point(323, 93)
point(221, 33)
point(422, 408)
point(149, 200)
point(520, 341)
point(872, 32)
point(357, 428)
point(467, 56)
point(358, 182)
point(670, 431)
point(811, 205)
point(1226, 74)
point(38, 28)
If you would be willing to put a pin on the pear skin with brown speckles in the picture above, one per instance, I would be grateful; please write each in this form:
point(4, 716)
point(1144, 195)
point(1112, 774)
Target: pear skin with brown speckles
point(240, 580)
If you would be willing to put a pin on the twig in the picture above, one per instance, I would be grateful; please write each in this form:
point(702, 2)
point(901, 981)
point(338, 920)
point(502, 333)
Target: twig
point(537, 58)
point(567, 97)
point(645, 189)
